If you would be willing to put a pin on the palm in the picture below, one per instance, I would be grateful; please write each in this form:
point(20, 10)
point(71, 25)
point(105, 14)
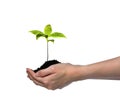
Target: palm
point(47, 34)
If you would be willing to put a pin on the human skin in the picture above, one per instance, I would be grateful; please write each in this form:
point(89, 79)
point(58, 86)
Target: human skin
point(60, 75)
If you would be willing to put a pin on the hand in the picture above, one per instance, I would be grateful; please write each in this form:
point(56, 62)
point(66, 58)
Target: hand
point(56, 76)
point(60, 75)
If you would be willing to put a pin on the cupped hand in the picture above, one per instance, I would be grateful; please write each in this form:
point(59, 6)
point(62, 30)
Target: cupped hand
point(55, 76)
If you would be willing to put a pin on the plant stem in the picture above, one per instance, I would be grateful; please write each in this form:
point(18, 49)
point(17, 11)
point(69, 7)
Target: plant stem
point(47, 50)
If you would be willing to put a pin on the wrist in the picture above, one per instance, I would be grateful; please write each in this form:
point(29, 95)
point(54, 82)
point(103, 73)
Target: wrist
point(81, 73)
point(86, 72)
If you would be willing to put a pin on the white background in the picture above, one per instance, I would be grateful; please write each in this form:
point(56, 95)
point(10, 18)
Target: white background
point(92, 28)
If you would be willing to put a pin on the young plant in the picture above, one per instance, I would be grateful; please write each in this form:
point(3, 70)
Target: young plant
point(47, 34)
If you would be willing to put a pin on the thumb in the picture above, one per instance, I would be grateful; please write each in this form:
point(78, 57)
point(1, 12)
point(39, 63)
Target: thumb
point(45, 72)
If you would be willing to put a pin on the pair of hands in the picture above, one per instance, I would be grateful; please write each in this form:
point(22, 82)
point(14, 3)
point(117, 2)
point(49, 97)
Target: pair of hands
point(60, 75)
point(55, 76)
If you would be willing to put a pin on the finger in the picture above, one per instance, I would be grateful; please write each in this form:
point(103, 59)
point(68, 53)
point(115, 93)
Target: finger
point(38, 83)
point(30, 77)
point(34, 81)
point(45, 72)
point(33, 76)
point(31, 73)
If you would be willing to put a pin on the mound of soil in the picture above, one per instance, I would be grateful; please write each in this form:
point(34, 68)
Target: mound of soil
point(46, 65)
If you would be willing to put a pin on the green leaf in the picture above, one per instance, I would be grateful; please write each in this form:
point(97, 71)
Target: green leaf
point(48, 29)
point(39, 35)
point(57, 35)
point(51, 40)
point(35, 32)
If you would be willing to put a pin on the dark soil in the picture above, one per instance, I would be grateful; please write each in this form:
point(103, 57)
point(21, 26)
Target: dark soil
point(46, 65)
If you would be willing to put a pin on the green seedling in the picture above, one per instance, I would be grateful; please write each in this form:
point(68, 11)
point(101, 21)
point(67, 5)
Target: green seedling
point(48, 35)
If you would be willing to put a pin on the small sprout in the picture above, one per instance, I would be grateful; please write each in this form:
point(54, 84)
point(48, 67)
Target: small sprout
point(47, 34)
